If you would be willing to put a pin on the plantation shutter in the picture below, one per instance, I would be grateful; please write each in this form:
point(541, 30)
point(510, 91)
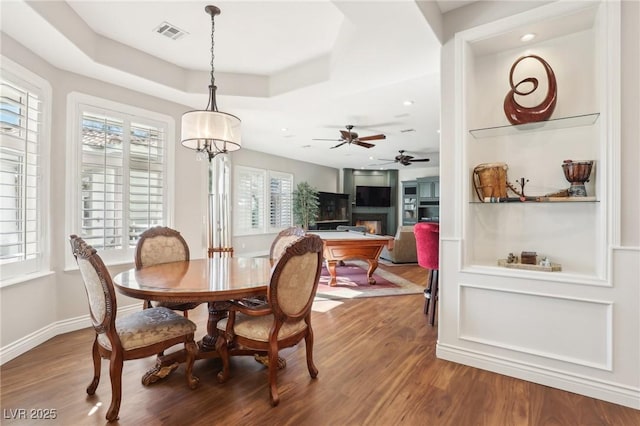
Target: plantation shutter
point(281, 200)
point(20, 168)
point(102, 185)
point(250, 208)
point(122, 180)
point(146, 200)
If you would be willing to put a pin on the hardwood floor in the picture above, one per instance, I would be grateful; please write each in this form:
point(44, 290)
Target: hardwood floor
point(377, 366)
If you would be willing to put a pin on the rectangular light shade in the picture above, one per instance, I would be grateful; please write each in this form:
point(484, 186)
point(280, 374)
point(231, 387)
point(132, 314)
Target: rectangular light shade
point(220, 129)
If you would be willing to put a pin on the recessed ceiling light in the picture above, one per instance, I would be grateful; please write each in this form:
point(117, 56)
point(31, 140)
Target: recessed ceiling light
point(370, 158)
point(284, 129)
point(438, 131)
point(528, 37)
point(407, 103)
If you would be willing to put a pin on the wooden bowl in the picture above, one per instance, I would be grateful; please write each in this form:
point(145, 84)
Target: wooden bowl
point(577, 171)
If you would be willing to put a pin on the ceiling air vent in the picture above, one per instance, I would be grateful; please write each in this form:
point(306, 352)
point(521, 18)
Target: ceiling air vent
point(169, 30)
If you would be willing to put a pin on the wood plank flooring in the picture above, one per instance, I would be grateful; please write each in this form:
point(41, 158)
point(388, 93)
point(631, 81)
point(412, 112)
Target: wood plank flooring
point(377, 366)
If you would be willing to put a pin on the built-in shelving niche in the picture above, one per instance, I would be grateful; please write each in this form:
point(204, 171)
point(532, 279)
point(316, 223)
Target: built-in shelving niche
point(536, 151)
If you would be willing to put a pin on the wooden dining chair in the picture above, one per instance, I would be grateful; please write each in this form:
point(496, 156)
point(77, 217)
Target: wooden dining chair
point(284, 321)
point(137, 335)
point(161, 244)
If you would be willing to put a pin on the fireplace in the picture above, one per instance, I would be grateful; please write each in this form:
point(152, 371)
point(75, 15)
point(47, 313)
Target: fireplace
point(376, 223)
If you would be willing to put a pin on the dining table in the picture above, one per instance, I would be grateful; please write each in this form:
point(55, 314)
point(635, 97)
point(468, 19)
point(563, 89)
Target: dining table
point(215, 281)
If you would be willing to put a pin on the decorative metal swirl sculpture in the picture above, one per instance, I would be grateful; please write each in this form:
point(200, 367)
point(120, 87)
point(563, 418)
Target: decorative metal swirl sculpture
point(518, 114)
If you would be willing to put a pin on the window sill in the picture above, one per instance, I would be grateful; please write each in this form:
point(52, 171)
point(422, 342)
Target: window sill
point(24, 278)
point(74, 266)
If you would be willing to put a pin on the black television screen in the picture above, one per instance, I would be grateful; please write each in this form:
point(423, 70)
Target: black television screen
point(373, 196)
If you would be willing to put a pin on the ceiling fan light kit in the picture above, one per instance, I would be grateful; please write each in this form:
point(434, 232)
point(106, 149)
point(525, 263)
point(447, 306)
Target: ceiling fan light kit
point(210, 132)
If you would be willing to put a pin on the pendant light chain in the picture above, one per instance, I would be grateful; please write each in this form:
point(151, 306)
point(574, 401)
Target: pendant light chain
point(213, 43)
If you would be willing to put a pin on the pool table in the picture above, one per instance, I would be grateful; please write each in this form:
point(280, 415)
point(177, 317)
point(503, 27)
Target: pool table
point(343, 245)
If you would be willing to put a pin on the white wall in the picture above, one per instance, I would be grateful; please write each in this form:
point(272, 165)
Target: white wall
point(35, 310)
point(580, 334)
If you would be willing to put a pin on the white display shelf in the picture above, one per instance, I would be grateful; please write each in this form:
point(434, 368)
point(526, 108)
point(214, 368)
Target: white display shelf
point(541, 199)
point(553, 124)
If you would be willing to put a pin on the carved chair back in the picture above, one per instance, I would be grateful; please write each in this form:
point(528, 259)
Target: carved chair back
point(282, 240)
point(294, 279)
point(98, 285)
point(160, 245)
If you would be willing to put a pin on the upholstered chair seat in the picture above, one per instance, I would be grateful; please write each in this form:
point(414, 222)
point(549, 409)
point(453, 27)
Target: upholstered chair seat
point(257, 328)
point(148, 327)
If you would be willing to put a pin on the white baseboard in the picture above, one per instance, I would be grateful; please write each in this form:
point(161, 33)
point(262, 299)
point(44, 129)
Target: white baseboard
point(30, 341)
point(588, 386)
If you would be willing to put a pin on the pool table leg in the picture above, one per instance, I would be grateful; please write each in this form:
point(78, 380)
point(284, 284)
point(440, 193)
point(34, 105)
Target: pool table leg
point(373, 265)
point(331, 266)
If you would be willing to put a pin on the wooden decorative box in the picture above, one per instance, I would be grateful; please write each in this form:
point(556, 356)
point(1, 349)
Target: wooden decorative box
point(528, 258)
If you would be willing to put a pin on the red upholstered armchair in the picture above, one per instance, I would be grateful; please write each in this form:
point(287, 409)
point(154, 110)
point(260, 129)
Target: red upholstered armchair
point(428, 248)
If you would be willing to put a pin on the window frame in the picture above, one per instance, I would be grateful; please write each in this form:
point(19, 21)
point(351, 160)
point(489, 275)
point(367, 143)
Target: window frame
point(265, 212)
point(22, 270)
point(79, 103)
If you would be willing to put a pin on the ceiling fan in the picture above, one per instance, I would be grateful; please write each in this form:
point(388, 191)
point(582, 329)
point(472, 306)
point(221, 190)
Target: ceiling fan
point(349, 137)
point(403, 159)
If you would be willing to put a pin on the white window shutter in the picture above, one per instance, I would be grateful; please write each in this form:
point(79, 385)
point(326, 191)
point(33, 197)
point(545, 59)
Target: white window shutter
point(281, 201)
point(20, 173)
point(250, 208)
point(122, 179)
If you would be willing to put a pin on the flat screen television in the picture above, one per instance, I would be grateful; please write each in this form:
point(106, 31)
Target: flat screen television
point(373, 196)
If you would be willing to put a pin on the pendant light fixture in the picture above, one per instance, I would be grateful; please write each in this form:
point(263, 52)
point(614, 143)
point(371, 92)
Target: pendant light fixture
point(209, 131)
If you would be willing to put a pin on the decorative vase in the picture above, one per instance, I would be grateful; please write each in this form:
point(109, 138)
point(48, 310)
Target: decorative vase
point(577, 173)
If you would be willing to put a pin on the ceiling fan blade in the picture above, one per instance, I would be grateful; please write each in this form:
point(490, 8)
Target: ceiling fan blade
point(373, 138)
point(348, 136)
point(419, 159)
point(339, 145)
point(387, 159)
point(382, 164)
point(332, 140)
point(363, 144)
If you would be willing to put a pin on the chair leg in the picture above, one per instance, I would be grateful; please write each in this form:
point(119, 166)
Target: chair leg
point(221, 347)
point(115, 371)
point(223, 351)
point(308, 342)
point(427, 291)
point(273, 374)
point(191, 348)
point(91, 389)
point(434, 298)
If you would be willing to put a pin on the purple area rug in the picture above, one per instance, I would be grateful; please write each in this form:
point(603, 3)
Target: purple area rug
point(353, 283)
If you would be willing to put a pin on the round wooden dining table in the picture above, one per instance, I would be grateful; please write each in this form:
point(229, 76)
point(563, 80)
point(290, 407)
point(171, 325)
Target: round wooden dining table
point(215, 280)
